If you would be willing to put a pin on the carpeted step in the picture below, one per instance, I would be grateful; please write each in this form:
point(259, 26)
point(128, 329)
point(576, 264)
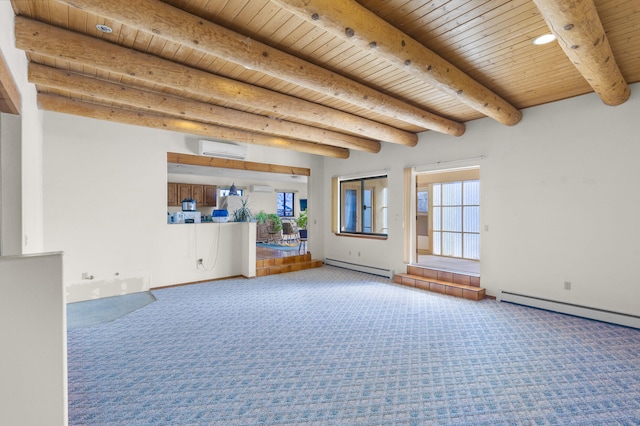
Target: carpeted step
point(453, 284)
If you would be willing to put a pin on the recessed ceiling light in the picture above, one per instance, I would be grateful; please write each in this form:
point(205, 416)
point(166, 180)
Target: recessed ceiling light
point(104, 28)
point(543, 39)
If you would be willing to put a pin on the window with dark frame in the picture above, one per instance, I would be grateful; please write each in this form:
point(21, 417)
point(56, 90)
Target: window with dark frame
point(225, 192)
point(364, 206)
point(286, 203)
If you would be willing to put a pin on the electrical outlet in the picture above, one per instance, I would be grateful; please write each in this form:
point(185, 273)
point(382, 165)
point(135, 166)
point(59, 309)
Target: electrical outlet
point(567, 285)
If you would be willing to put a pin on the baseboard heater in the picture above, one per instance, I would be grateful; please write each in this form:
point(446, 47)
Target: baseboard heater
point(570, 309)
point(361, 268)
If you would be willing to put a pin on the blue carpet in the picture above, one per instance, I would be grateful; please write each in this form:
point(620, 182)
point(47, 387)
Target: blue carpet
point(328, 346)
point(92, 312)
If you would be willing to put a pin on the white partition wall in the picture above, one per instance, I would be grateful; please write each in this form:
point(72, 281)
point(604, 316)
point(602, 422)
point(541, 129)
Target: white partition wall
point(33, 358)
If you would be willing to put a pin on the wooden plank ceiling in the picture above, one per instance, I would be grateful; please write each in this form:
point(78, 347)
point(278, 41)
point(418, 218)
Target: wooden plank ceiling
point(323, 76)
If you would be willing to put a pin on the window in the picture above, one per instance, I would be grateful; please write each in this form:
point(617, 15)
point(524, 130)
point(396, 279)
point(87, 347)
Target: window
point(456, 219)
point(225, 192)
point(423, 201)
point(363, 206)
point(285, 204)
point(422, 217)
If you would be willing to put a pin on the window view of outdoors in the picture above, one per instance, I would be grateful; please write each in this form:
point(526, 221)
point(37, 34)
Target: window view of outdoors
point(363, 206)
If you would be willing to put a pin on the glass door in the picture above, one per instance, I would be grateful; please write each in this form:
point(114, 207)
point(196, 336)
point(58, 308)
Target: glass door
point(456, 219)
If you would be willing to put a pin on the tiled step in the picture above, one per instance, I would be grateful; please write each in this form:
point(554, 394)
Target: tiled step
point(454, 284)
point(286, 264)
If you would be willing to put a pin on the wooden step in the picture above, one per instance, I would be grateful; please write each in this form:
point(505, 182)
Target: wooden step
point(282, 265)
point(444, 282)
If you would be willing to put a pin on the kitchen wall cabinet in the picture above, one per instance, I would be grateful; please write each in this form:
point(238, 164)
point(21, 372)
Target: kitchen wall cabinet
point(209, 195)
point(184, 191)
point(172, 194)
point(197, 193)
point(204, 195)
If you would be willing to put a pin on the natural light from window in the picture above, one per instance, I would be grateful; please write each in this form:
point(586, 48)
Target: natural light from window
point(364, 206)
point(456, 219)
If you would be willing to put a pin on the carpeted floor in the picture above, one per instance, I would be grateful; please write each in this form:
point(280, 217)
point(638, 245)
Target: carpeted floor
point(98, 311)
point(328, 346)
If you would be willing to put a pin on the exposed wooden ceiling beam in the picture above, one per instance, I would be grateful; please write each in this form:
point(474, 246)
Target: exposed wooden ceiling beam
point(37, 37)
point(10, 99)
point(357, 25)
point(163, 104)
point(577, 26)
point(180, 27)
point(199, 160)
point(86, 109)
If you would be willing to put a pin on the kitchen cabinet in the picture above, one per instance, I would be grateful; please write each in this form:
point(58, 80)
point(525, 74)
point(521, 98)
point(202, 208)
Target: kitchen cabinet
point(184, 191)
point(197, 193)
point(172, 194)
point(210, 195)
point(204, 195)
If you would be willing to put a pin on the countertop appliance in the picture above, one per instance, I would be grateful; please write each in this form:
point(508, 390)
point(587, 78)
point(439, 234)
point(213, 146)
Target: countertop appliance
point(187, 217)
point(188, 205)
point(220, 216)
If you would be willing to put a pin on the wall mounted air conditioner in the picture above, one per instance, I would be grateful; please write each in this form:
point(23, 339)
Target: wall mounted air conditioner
point(261, 188)
point(222, 149)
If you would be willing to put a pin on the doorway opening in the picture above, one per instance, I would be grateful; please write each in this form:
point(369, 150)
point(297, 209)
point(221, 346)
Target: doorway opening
point(447, 228)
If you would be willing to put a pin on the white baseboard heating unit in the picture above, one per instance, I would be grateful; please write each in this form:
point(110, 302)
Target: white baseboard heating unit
point(361, 268)
point(570, 309)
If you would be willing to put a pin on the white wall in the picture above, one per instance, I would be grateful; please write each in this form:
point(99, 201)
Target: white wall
point(11, 236)
point(33, 362)
point(559, 197)
point(31, 137)
point(105, 204)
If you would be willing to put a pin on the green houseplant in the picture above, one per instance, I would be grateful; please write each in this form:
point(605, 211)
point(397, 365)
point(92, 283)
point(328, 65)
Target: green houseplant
point(302, 223)
point(275, 222)
point(302, 220)
point(242, 213)
point(261, 217)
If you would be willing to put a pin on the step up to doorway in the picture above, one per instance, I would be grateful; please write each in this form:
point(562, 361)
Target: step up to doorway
point(281, 265)
point(444, 282)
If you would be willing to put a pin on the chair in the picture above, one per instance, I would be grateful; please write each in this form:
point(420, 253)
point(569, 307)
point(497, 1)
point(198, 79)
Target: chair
point(290, 232)
point(302, 233)
point(274, 236)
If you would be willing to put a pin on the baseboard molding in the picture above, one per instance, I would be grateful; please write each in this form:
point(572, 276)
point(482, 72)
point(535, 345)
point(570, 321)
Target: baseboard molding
point(360, 268)
point(570, 309)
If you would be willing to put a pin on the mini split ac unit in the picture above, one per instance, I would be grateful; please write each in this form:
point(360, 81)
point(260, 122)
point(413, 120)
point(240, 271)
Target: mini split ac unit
point(261, 188)
point(222, 149)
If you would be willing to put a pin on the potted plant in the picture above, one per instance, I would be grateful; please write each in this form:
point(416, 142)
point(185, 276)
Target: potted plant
point(302, 224)
point(242, 213)
point(274, 222)
point(262, 231)
point(261, 217)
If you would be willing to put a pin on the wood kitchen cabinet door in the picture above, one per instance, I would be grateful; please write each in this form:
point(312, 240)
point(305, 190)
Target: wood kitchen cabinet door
point(209, 195)
point(204, 195)
point(197, 193)
point(172, 194)
point(184, 191)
